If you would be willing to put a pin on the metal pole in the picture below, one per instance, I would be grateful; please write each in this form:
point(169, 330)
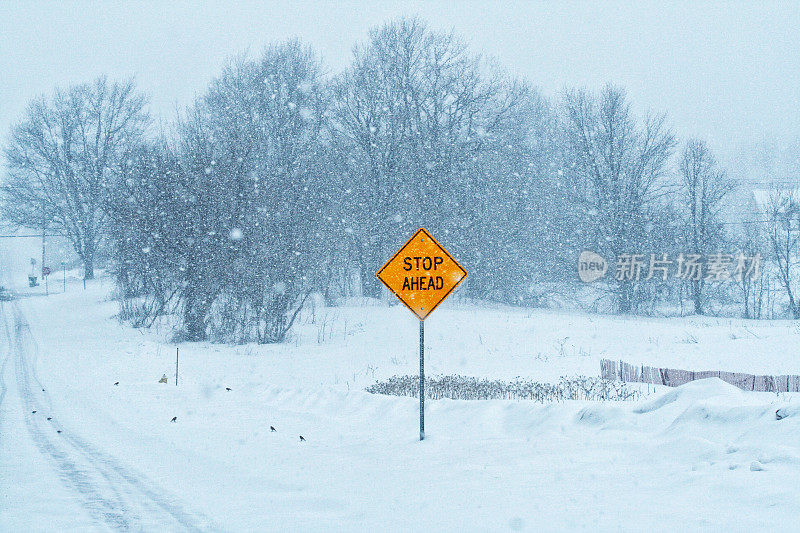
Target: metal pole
point(44, 235)
point(177, 352)
point(64, 267)
point(421, 380)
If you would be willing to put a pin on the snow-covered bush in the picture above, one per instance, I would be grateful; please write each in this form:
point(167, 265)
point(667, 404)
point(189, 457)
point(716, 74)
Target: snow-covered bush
point(457, 387)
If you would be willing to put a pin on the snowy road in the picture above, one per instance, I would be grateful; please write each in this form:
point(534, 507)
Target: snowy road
point(51, 468)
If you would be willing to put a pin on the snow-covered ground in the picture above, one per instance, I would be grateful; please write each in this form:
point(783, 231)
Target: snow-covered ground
point(705, 456)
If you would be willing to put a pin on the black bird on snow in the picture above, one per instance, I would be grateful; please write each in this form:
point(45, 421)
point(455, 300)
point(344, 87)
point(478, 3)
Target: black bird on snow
point(272, 429)
point(42, 390)
point(116, 383)
point(58, 431)
point(227, 388)
point(174, 419)
point(49, 417)
point(302, 439)
point(34, 412)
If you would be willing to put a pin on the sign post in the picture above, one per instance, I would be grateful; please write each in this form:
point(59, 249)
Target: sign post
point(45, 272)
point(421, 275)
point(421, 380)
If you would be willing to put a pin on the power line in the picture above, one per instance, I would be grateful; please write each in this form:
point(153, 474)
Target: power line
point(35, 235)
point(749, 222)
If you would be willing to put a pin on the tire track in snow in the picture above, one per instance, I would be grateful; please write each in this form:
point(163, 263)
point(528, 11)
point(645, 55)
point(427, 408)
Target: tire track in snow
point(129, 500)
point(6, 357)
point(108, 509)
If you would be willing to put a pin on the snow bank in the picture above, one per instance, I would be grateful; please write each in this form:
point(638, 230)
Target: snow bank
point(702, 456)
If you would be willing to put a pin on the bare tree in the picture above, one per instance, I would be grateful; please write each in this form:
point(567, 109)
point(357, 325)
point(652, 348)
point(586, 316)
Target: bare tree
point(227, 221)
point(151, 212)
point(61, 155)
point(784, 237)
point(704, 189)
point(753, 291)
point(266, 122)
point(412, 115)
point(617, 168)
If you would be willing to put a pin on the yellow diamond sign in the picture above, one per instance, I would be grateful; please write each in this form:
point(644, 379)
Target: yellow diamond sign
point(422, 274)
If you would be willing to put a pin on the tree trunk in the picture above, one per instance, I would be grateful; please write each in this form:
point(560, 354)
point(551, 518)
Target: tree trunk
point(370, 285)
point(195, 308)
point(697, 295)
point(275, 316)
point(625, 298)
point(88, 268)
point(746, 300)
point(88, 260)
point(194, 320)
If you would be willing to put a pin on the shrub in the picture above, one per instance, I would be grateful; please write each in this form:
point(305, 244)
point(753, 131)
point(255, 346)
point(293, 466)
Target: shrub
point(458, 387)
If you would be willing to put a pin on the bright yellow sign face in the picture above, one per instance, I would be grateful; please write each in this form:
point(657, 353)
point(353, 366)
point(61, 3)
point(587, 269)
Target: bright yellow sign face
point(422, 274)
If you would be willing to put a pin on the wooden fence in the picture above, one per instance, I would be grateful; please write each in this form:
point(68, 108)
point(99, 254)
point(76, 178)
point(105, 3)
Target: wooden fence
point(620, 370)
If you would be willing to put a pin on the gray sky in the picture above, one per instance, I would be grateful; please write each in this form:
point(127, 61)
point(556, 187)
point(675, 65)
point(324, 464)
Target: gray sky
point(727, 72)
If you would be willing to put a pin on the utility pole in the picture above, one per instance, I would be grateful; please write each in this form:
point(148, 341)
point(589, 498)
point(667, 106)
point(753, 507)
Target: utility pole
point(44, 235)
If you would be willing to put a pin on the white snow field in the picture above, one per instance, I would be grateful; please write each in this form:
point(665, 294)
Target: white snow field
point(705, 456)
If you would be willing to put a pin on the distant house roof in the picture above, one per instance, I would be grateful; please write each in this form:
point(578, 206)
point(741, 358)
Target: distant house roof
point(766, 201)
